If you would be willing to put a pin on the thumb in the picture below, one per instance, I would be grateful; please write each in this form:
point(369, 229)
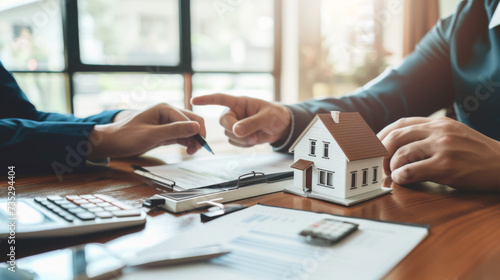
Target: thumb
point(177, 130)
point(250, 125)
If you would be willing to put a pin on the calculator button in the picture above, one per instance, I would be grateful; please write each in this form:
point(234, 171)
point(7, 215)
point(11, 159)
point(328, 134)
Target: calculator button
point(45, 203)
point(86, 216)
point(87, 196)
point(104, 204)
point(77, 210)
point(40, 199)
point(68, 206)
point(59, 211)
point(122, 205)
point(73, 197)
point(104, 215)
point(68, 218)
point(317, 230)
point(105, 197)
point(87, 205)
point(95, 200)
point(307, 232)
point(59, 202)
point(54, 197)
point(95, 209)
point(112, 208)
point(127, 213)
point(80, 201)
point(51, 206)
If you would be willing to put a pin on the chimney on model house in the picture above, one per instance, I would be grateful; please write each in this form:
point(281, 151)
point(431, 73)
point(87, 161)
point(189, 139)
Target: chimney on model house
point(335, 116)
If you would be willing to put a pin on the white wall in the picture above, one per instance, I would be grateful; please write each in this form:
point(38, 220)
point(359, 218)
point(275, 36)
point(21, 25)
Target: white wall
point(358, 166)
point(290, 52)
point(336, 161)
point(447, 7)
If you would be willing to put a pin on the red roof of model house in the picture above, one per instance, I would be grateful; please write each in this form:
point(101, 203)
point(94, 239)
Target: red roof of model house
point(352, 134)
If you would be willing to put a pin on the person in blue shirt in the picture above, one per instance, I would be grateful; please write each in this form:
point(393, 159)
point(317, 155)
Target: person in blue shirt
point(457, 63)
point(32, 140)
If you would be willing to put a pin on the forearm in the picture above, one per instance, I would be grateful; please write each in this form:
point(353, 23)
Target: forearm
point(60, 147)
point(101, 118)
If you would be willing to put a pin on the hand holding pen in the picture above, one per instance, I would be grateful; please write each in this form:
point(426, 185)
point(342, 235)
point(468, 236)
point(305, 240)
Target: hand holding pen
point(134, 133)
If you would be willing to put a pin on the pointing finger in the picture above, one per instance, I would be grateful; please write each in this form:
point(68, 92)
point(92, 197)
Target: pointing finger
point(215, 99)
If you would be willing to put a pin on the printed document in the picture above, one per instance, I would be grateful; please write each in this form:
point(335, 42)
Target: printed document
point(265, 244)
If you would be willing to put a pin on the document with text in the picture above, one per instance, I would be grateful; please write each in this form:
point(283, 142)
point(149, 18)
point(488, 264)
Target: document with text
point(265, 244)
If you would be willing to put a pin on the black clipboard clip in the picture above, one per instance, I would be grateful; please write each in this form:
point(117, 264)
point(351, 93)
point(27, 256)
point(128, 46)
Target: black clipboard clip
point(250, 179)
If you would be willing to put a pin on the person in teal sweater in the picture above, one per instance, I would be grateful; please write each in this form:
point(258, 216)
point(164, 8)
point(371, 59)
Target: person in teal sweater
point(35, 141)
point(457, 63)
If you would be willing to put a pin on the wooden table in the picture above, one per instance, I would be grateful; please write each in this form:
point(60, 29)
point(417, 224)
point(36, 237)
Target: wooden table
point(464, 240)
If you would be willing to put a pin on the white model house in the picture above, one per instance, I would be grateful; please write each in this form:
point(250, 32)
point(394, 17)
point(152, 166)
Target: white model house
point(338, 158)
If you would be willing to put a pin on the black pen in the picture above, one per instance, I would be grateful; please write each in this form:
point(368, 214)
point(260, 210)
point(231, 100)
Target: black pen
point(203, 143)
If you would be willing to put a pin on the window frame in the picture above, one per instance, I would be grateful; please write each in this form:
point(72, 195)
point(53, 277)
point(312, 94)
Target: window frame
point(326, 150)
point(364, 181)
point(354, 175)
point(312, 148)
point(375, 175)
point(326, 174)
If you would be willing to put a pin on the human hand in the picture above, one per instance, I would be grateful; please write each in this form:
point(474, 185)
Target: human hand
point(441, 150)
point(137, 132)
point(250, 121)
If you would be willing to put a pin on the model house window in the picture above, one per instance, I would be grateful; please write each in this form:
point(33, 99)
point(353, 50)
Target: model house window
point(353, 179)
point(322, 177)
point(325, 149)
point(365, 177)
point(329, 179)
point(325, 178)
point(312, 148)
point(375, 174)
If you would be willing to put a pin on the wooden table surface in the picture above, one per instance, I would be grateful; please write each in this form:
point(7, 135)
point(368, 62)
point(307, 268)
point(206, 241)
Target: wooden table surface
point(464, 239)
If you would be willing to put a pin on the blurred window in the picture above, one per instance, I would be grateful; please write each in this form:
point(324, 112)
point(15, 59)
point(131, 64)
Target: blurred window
point(360, 39)
point(129, 32)
point(132, 54)
point(31, 45)
point(47, 91)
point(232, 35)
point(95, 93)
point(31, 36)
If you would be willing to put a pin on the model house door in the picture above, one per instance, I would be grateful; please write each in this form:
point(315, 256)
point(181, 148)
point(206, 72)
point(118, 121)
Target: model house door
point(308, 184)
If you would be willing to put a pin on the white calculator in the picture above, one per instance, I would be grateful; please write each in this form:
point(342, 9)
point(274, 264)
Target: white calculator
point(53, 216)
point(328, 231)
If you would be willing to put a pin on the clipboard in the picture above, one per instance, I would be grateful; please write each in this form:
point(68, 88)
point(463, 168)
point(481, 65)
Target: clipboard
point(207, 171)
point(254, 175)
point(246, 186)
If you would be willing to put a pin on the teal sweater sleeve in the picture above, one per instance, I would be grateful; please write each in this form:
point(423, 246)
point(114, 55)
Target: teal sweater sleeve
point(35, 141)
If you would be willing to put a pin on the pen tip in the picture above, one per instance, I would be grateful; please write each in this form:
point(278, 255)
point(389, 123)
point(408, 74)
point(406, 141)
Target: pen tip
point(213, 153)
